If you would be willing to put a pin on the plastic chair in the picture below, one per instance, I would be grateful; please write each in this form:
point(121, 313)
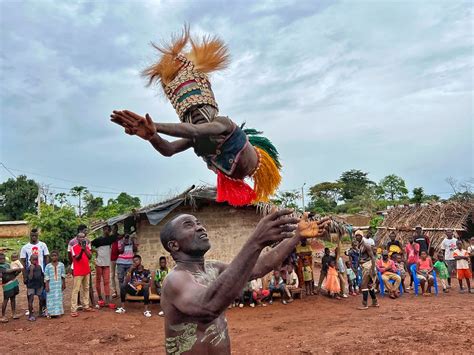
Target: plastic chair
point(382, 284)
point(416, 280)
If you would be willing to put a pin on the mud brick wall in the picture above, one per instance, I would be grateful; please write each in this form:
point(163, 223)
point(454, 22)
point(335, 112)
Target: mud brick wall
point(228, 229)
point(14, 230)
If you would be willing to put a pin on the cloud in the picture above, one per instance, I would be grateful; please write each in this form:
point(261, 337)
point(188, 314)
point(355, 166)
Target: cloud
point(381, 86)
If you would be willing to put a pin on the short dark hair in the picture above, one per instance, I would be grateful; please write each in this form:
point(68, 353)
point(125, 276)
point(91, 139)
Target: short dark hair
point(54, 252)
point(137, 256)
point(162, 258)
point(2, 254)
point(34, 230)
point(167, 234)
point(81, 227)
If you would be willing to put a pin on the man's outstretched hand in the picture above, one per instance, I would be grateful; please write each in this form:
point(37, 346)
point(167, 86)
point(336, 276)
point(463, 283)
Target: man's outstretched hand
point(135, 124)
point(275, 227)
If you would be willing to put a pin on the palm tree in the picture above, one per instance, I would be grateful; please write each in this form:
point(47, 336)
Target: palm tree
point(79, 191)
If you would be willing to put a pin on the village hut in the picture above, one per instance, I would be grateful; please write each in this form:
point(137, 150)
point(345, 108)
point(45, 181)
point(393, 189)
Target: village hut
point(434, 218)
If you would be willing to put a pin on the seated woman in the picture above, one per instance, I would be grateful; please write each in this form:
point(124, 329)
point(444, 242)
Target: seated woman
point(424, 268)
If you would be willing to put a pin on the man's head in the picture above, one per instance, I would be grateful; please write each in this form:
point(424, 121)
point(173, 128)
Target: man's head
point(34, 259)
point(34, 236)
point(411, 239)
point(423, 255)
point(418, 230)
point(358, 235)
point(137, 261)
point(459, 244)
point(276, 273)
point(304, 241)
point(185, 235)
point(472, 240)
point(162, 262)
point(450, 234)
point(81, 237)
point(399, 258)
point(200, 114)
point(290, 268)
point(106, 230)
point(114, 229)
point(54, 256)
point(440, 256)
point(392, 236)
point(327, 251)
point(2, 258)
point(354, 244)
point(14, 256)
point(385, 255)
point(82, 228)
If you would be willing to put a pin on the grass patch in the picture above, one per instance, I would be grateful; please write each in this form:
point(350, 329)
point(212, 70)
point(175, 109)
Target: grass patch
point(11, 245)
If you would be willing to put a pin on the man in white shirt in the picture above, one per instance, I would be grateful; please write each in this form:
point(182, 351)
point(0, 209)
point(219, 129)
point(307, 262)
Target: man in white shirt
point(291, 280)
point(448, 246)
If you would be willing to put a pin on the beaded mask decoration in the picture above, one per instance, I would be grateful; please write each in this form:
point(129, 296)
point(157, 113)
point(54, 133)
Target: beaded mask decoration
point(183, 74)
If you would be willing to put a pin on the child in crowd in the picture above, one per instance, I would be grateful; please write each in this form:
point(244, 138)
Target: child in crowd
point(10, 287)
point(341, 273)
point(308, 277)
point(351, 279)
point(442, 270)
point(160, 274)
point(424, 267)
point(16, 263)
point(277, 285)
point(461, 256)
point(401, 268)
point(258, 293)
point(55, 284)
point(34, 281)
point(470, 250)
point(333, 286)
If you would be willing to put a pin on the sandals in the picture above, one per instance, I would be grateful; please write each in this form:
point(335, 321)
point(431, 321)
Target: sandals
point(16, 316)
point(112, 306)
point(74, 314)
point(32, 318)
point(101, 303)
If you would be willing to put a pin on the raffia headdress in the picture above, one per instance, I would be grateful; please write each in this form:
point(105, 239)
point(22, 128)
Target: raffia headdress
point(183, 73)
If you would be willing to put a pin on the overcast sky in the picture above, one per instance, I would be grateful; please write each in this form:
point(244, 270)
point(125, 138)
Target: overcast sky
point(381, 86)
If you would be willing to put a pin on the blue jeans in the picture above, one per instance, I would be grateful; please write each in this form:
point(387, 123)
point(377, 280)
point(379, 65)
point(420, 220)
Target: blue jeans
point(121, 272)
point(278, 288)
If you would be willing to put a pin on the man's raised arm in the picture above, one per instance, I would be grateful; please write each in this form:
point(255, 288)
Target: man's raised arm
point(209, 302)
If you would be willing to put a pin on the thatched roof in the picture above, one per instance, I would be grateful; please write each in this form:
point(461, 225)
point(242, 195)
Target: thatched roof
point(435, 218)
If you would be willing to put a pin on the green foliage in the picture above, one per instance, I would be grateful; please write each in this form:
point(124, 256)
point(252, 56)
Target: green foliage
point(287, 199)
point(17, 197)
point(375, 222)
point(58, 225)
point(79, 192)
point(122, 204)
point(354, 183)
point(392, 187)
point(13, 245)
point(92, 204)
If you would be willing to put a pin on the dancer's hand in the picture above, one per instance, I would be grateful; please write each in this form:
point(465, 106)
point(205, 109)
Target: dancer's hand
point(135, 124)
point(275, 227)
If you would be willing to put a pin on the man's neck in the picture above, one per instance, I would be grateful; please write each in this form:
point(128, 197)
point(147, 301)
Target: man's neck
point(189, 262)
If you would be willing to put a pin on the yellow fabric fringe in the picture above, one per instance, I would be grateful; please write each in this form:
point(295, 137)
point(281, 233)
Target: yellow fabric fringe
point(267, 178)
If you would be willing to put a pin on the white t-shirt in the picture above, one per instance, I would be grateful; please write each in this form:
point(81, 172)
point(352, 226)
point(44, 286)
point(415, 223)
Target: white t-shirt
point(103, 255)
point(292, 278)
point(256, 284)
point(463, 263)
point(40, 249)
point(470, 249)
point(449, 246)
point(369, 241)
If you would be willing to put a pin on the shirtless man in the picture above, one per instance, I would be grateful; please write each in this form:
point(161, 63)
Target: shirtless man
point(197, 292)
point(367, 263)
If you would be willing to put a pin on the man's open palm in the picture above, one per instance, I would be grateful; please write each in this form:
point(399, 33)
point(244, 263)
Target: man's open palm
point(134, 124)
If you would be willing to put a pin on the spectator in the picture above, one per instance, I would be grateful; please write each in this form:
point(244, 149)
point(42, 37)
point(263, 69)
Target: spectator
point(401, 268)
point(81, 254)
point(246, 296)
point(303, 252)
point(442, 270)
point(103, 249)
point(16, 263)
point(114, 253)
point(10, 287)
point(351, 279)
point(393, 245)
point(277, 285)
point(258, 293)
point(291, 282)
point(462, 265)
point(353, 254)
point(422, 240)
point(424, 267)
point(470, 250)
point(412, 253)
point(308, 278)
point(34, 281)
point(324, 267)
point(387, 268)
point(341, 270)
point(333, 286)
point(40, 249)
point(448, 246)
point(55, 284)
point(161, 274)
point(137, 283)
point(127, 248)
point(368, 240)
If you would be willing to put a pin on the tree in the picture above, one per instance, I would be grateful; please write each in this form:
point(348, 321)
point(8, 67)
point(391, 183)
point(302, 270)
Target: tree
point(122, 204)
point(79, 191)
point(353, 183)
point(17, 197)
point(392, 187)
point(61, 198)
point(57, 226)
point(461, 190)
point(420, 197)
point(125, 199)
point(288, 199)
point(92, 204)
point(324, 196)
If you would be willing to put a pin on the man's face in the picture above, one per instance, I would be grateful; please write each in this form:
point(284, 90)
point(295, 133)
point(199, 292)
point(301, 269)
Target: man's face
point(449, 234)
point(196, 115)
point(411, 240)
point(303, 241)
point(354, 244)
point(83, 231)
point(392, 236)
point(163, 263)
point(419, 231)
point(190, 236)
point(34, 236)
point(385, 256)
point(137, 262)
point(459, 245)
point(54, 257)
point(81, 237)
point(327, 251)
point(106, 231)
point(359, 237)
point(399, 258)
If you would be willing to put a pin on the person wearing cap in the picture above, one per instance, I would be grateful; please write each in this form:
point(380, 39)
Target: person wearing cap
point(422, 240)
point(387, 268)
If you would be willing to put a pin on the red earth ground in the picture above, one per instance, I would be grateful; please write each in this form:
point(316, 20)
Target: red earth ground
point(314, 325)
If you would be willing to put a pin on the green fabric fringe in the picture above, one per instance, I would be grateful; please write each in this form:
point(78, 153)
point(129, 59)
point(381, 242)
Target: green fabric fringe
point(257, 140)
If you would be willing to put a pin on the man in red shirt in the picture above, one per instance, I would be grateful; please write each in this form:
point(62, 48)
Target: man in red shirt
point(81, 254)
